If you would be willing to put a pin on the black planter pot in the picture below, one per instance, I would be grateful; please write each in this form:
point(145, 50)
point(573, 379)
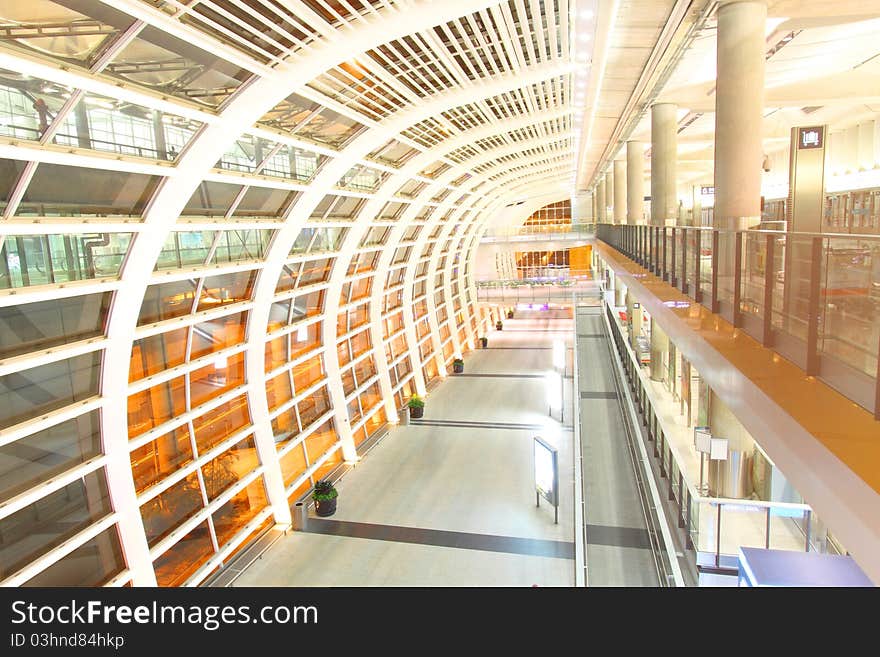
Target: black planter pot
point(499, 325)
point(484, 342)
point(509, 314)
point(458, 369)
point(416, 412)
point(324, 508)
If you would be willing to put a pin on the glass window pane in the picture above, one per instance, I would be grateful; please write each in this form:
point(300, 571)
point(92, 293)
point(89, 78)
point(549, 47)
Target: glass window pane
point(64, 190)
point(27, 260)
point(157, 353)
point(320, 440)
point(31, 460)
point(211, 199)
point(307, 373)
point(265, 202)
point(278, 390)
point(182, 559)
point(92, 564)
point(160, 458)
point(214, 426)
point(166, 511)
point(45, 324)
point(26, 394)
point(212, 380)
point(239, 510)
point(293, 464)
point(166, 301)
point(313, 406)
point(228, 468)
point(192, 74)
point(226, 288)
point(34, 530)
point(218, 334)
point(150, 408)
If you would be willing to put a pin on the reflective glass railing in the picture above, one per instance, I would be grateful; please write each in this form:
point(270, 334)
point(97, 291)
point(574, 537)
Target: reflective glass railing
point(541, 232)
point(813, 298)
point(714, 527)
point(575, 289)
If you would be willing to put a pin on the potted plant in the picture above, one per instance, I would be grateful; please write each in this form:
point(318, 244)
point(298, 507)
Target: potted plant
point(484, 341)
point(499, 325)
point(509, 314)
point(416, 406)
point(458, 365)
point(325, 495)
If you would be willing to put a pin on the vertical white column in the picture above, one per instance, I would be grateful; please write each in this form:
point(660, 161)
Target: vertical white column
point(851, 149)
point(697, 205)
point(739, 105)
point(635, 182)
point(866, 146)
point(620, 191)
point(601, 209)
point(609, 195)
point(835, 155)
point(664, 154)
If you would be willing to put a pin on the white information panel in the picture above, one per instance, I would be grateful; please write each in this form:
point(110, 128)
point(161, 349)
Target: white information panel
point(718, 449)
point(702, 439)
point(546, 471)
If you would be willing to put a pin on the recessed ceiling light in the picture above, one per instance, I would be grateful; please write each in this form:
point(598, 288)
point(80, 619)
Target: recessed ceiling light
point(585, 36)
point(587, 14)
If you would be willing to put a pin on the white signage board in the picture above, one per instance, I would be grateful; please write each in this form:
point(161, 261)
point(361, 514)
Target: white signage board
point(702, 439)
point(718, 449)
point(546, 471)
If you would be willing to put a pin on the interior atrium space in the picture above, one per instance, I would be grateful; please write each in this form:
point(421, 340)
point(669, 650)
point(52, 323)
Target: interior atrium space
point(439, 293)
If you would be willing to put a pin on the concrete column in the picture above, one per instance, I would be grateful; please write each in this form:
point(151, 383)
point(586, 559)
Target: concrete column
point(739, 105)
point(635, 182)
point(866, 146)
point(601, 210)
point(697, 212)
point(851, 149)
point(659, 346)
point(835, 153)
point(609, 195)
point(83, 131)
point(664, 140)
point(159, 135)
point(620, 191)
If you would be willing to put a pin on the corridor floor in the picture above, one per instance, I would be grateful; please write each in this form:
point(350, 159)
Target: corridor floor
point(451, 501)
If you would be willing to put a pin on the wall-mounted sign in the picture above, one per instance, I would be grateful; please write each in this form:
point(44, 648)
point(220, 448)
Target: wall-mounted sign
point(812, 137)
point(546, 472)
point(707, 190)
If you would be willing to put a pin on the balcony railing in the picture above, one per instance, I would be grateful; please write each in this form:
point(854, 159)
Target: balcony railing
point(812, 298)
point(553, 232)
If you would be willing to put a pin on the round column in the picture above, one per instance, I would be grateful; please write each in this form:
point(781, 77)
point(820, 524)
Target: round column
point(635, 182)
point(609, 195)
point(739, 105)
point(664, 153)
point(620, 191)
point(601, 214)
point(739, 153)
